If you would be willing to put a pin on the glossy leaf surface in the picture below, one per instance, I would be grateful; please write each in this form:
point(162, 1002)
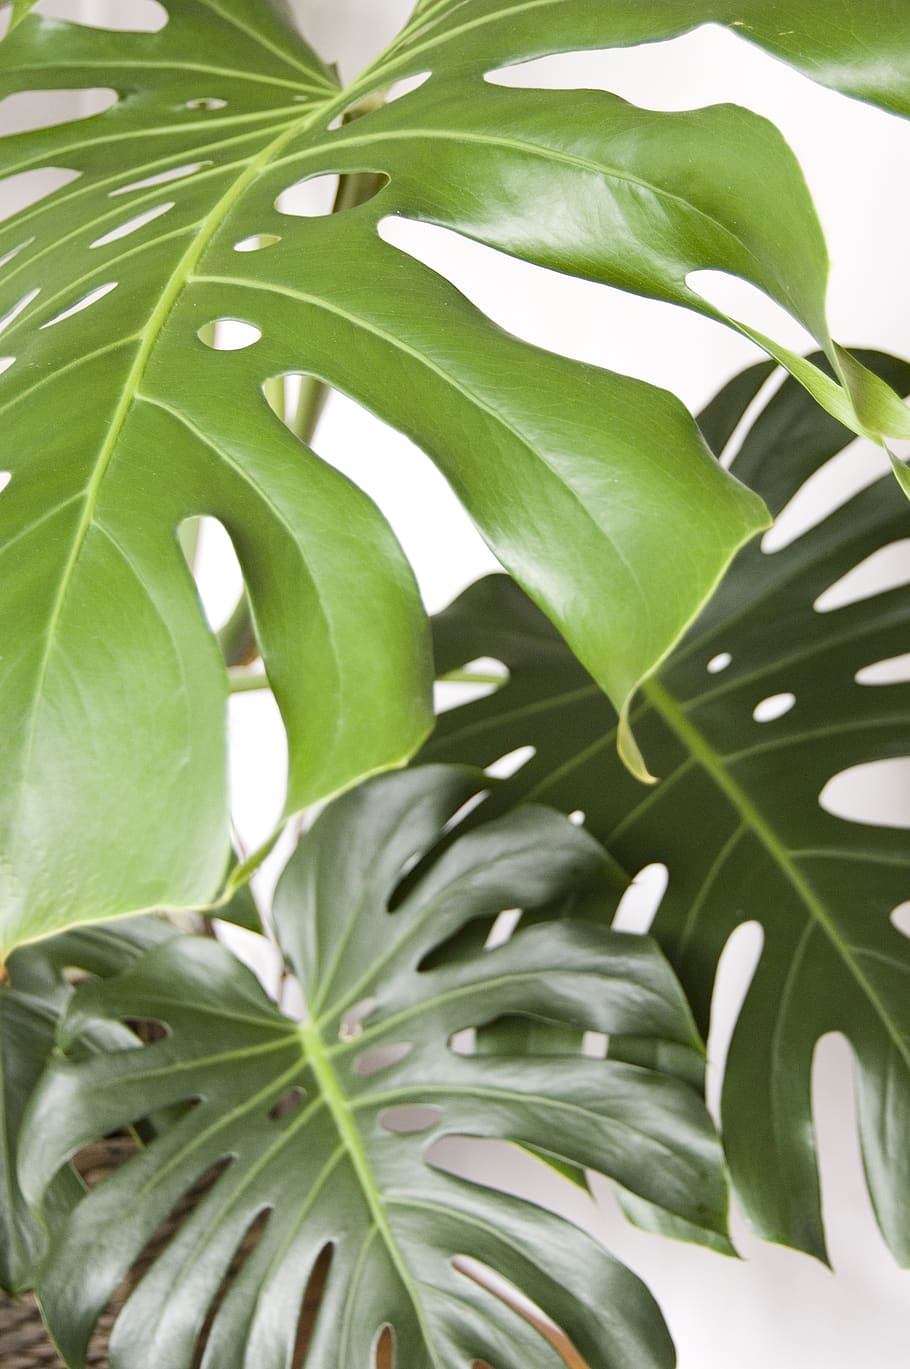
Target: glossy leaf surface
point(748, 720)
point(373, 1080)
point(29, 1012)
point(592, 489)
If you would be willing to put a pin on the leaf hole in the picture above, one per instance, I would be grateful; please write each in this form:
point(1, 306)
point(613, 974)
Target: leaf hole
point(489, 675)
point(257, 242)
point(138, 16)
point(148, 1030)
point(875, 792)
point(98, 1161)
point(503, 928)
point(315, 197)
point(25, 188)
point(9, 318)
point(411, 1119)
point(773, 707)
point(5, 476)
point(886, 569)
point(287, 1104)
point(407, 86)
point(736, 968)
point(384, 1357)
point(176, 173)
point(577, 817)
point(310, 1304)
point(219, 578)
point(504, 767)
point(464, 1042)
point(594, 1045)
point(639, 904)
point(518, 1302)
point(722, 661)
point(380, 1058)
point(900, 918)
point(206, 102)
point(133, 225)
point(228, 334)
point(244, 1251)
point(86, 302)
point(28, 110)
point(351, 1025)
point(14, 251)
point(5, 364)
point(894, 670)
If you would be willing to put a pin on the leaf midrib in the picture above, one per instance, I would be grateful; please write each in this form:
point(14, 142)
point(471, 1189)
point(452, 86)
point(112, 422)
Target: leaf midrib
point(352, 1140)
point(697, 746)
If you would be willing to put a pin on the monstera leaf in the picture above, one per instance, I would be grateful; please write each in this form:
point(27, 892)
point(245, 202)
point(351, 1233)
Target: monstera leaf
point(746, 722)
point(29, 1012)
point(376, 1078)
point(124, 416)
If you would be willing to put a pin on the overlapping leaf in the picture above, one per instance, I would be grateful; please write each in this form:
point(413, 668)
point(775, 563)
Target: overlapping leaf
point(344, 1169)
point(736, 816)
point(592, 489)
point(29, 1011)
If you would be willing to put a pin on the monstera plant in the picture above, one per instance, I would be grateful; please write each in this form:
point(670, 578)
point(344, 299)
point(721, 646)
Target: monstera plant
point(172, 320)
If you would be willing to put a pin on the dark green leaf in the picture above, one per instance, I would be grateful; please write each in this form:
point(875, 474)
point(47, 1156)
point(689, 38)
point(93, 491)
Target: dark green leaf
point(736, 816)
point(329, 1172)
point(29, 1011)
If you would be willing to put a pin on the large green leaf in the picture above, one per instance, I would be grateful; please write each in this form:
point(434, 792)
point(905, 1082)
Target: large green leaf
point(334, 1171)
point(591, 488)
point(736, 817)
point(29, 1011)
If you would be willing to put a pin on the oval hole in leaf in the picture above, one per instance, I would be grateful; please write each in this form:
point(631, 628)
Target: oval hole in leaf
point(288, 1102)
point(887, 568)
point(219, 578)
point(577, 817)
point(594, 1045)
point(124, 230)
point(503, 928)
point(411, 1118)
point(894, 670)
point(177, 173)
point(5, 476)
point(351, 1024)
point(722, 661)
point(19, 307)
point(774, 707)
point(28, 187)
point(735, 970)
point(382, 1057)
point(206, 102)
point(504, 767)
point(464, 1042)
point(311, 198)
point(5, 364)
point(228, 334)
point(310, 1304)
point(138, 16)
point(406, 87)
point(900, 918)
point(256, 242)
point(876, 792)
point(640, 902)
point(29, 110)
point(148, 1029)
point(86, 302)
point(384, 1357)
point(14, 251)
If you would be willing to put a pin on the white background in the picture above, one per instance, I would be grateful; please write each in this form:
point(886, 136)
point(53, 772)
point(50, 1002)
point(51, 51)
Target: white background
point(775, 1307)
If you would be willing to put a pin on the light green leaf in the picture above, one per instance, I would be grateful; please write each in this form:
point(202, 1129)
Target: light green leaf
point(736, 816)
point(332, 1171)
point(121, 423)
point(29, 1011)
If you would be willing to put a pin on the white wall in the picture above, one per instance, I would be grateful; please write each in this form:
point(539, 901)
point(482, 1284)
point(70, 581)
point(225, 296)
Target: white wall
point(776, 1307)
